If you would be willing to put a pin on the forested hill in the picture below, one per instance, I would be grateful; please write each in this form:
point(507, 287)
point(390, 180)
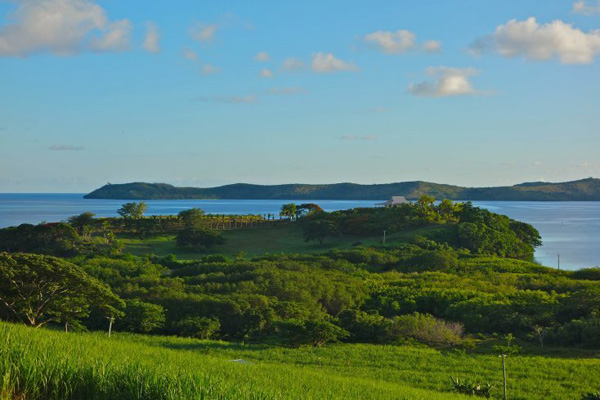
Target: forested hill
point(581, 190)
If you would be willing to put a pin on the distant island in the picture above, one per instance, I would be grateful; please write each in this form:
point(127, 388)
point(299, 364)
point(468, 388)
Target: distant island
point(580, 190)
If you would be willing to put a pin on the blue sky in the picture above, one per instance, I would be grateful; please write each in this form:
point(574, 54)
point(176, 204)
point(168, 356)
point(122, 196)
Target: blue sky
point(216, 92)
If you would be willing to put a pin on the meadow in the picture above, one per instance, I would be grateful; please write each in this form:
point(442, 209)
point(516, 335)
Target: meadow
point(45, 364)
point(286, 238)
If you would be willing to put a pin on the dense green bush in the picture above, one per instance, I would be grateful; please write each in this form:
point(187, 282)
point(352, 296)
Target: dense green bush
point(425, 328)
point(199, 238)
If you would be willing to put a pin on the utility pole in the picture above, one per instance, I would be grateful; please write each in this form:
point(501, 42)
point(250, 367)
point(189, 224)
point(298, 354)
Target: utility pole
point(504, 372)
point(110, 324)
point(384, 237)
point(558, 261)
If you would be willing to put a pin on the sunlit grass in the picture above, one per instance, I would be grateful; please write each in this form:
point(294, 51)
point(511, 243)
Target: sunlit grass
point(255, 242)
point(43, 364)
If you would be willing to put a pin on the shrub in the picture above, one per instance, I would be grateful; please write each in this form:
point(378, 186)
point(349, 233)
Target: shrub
point(592, 274)
point(199, 327)
point(143, 317)
point(591, 396)
point(426, 329)
point(199, 238)
point(295, 333)
point(475, 389)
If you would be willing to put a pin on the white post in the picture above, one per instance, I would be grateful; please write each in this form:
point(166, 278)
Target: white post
point(504, 373)
point(110, 324)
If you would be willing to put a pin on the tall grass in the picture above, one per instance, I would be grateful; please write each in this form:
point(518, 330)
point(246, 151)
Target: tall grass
point(43, 364)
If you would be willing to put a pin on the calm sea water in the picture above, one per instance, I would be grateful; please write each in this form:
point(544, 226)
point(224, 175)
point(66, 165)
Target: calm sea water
point(571, 229)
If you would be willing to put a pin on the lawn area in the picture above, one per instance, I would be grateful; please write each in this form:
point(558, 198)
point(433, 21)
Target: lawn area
point(278, 239)
point(42, 364)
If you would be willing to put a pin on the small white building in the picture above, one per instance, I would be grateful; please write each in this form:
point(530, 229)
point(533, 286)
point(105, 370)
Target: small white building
point(395, 201)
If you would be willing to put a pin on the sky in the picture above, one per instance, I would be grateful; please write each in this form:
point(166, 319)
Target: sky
point(204, 93)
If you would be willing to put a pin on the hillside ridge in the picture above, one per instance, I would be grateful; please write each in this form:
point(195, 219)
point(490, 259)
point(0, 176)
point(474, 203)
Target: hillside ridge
point(580, 190)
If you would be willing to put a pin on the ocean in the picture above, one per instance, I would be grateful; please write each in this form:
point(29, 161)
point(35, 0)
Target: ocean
point(568, 229)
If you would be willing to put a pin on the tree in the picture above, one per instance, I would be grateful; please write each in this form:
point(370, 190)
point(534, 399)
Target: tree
point(426, 201)
point(199, 238)
point(132, 210)
point(446, 210)
point(295, 333)
point(306, 209)
point(319, 229)
point(288, 210)
point(37, 290)
point(192, 217)
point(56, 239)
point(143, 317)
point(83, 223)
point(199, 327)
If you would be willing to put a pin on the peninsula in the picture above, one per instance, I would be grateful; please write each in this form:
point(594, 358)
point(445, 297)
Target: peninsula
point(579, 190)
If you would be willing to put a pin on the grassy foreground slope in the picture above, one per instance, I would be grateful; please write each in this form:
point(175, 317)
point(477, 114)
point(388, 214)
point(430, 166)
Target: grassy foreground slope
point(43, 364)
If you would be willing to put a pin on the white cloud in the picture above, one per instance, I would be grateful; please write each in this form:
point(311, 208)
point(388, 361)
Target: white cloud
point(542, 42)
point(266, 73)
point(293, 64)
point(286, 91)
point(447, 82)
point(208, 69)
point(263, 56)
point(203, 33)
point(582, 7)
point(189, 54)
point(353, 138)
point(116, 38)
point(152, 39)
point(399, 42)
point(392, 42)
point(432, 46)
point(62, 27)
point(327, 62)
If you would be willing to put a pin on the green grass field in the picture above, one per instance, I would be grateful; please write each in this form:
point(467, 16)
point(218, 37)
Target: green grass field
point(254, 242)
point(45, 364)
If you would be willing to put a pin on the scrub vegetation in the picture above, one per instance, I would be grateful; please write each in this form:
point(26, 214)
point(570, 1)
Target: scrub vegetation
point(295, 300)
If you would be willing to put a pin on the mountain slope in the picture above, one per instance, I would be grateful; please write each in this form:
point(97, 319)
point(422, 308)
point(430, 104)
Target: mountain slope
point(581, 190)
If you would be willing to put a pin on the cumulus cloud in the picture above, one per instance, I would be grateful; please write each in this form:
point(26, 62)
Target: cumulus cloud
point(326, 63)
point(432, 46)
point(65, 147)
point(286, 91)
point(189, 55)
point(263, 56)
point(399, 42)
point(446, 82)
point(353, 138)
point(582, 7)
point(293, 64)
point(392, 42)
point(208, 69)
point(151, 41)
point(203, 33)
point(116, 38)
point(536, 41)
point(62, 27)
point(231, 99)
point(266, 73)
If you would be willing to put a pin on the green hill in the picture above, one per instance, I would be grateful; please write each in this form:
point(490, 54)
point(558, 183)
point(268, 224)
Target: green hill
point(581, 190)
